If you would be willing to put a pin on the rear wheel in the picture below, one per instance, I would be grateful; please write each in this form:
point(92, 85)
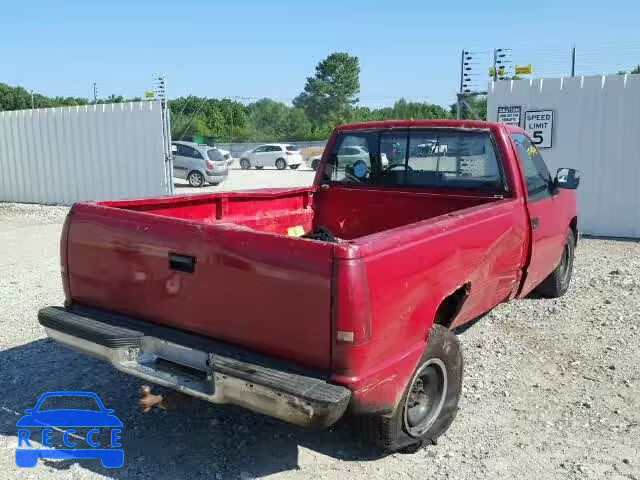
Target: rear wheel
point(557, 284)
point(281, 164)
point(430, 401)
point(293, 167)
point(195, 179)
point(245, 164)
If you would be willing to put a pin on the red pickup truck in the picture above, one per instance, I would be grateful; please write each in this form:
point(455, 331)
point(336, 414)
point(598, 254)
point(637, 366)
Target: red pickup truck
point(220, 297)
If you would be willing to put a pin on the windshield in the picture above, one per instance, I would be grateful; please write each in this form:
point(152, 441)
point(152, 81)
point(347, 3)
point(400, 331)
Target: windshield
point(66, 402)
point(416, 158)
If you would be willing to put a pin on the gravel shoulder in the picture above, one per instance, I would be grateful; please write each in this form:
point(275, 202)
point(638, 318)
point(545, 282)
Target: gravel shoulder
point(551, 387)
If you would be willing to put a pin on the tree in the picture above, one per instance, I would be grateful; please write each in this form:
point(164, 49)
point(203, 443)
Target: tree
point(330, 95)
point(474, 109)
point(636, 70)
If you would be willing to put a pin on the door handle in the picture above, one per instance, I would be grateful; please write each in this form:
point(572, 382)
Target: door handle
point(182, 263)
point(535, 222)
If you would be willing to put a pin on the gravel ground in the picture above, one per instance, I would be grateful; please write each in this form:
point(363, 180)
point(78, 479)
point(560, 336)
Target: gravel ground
point(551, 387)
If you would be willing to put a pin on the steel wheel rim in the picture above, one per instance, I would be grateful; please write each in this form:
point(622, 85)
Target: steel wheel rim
point(281, 165)
point(426, 397)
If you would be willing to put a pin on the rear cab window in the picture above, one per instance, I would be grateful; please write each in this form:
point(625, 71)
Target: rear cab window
point(436, 157)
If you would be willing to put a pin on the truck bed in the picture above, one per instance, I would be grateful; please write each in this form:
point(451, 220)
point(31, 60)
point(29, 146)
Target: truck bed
point(222, 265)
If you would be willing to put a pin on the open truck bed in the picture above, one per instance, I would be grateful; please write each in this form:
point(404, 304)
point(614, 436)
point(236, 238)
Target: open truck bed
point(223, 265)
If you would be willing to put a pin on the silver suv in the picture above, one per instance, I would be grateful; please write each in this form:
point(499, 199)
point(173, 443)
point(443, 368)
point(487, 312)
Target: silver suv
point(199, 164)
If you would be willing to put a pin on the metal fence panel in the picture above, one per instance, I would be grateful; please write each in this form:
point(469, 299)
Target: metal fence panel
point(92, 152)
point(596, 130)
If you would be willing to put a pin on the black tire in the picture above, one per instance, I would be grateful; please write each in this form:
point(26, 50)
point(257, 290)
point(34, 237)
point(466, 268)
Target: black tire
point(442, 363)
point(245, 164)
point(557, 284)
point(259, 167)
point(315, 164)
point(195, 179)
point(294, 167)
point(281, 164)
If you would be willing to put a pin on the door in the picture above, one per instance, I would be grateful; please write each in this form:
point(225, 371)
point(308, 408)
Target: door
point(274, 153)
point(180, 162)
point(258, 156)
point(187, 159)
point(547, 231)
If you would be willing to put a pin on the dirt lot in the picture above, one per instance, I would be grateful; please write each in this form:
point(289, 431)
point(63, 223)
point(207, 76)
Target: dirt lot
point(551, 387)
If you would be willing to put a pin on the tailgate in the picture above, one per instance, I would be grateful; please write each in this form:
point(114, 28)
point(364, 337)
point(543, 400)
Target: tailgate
point(266, 292)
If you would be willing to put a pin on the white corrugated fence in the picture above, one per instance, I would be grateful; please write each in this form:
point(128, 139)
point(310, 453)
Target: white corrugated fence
point(92, 152)
point(596, 129)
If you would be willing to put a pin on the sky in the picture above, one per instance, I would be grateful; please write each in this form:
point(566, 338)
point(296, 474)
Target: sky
point(255, 49)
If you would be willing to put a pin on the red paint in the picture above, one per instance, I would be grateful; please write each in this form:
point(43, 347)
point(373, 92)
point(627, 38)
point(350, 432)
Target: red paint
point(403, 252)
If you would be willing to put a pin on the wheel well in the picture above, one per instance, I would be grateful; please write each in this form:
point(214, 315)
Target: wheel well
point(451, 306)
point(574, 228)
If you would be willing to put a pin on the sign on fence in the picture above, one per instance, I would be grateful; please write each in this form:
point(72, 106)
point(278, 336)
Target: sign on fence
point(509, 115)
point(539, 125)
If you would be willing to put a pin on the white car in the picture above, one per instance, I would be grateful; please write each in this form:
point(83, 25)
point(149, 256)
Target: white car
point(279, 155)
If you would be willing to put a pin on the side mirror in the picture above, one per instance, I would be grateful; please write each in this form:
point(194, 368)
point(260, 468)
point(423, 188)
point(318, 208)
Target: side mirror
point(568, 178)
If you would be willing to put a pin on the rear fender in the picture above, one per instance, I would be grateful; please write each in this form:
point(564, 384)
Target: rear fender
point(381, 390)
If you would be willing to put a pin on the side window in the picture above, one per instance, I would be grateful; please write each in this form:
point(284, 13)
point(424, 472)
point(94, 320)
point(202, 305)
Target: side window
point(195, 153)
point(275, 148)
point(261, 149)
point(536, 174)
point(350, 160)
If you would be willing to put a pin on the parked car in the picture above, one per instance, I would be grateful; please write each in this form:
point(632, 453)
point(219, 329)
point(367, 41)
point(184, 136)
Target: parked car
point(200, 164)
point(357, 316)
point(279, 155)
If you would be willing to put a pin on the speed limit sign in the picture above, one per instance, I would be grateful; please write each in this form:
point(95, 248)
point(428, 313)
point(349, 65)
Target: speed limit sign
point(539, 126)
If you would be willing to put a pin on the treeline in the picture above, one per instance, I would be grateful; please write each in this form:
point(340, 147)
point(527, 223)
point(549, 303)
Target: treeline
point(329, 98)
point(18, 98)
point(269, 121)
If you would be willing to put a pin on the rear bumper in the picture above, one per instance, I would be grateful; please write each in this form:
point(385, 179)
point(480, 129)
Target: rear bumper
point(216, 177)
point(198, 366)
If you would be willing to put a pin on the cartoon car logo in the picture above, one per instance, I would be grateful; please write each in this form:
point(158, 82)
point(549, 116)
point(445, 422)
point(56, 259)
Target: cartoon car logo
point(63, 420)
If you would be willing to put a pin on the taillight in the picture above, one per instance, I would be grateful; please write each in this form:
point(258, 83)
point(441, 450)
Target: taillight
point(64, 265)
point(291, 153)
point(351, 303)
point(209, 164)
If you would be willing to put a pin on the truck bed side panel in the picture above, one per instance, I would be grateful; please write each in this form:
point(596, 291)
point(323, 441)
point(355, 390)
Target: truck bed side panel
point(410, 270)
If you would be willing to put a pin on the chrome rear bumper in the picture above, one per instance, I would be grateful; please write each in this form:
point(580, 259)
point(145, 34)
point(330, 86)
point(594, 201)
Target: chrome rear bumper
point(198, 367)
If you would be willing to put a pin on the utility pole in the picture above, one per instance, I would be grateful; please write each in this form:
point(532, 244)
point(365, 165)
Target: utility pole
point(573, 61)
point(95, 92)
point(468, 86)
point(160, 88)
point(459, 104)
point(499, 63)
